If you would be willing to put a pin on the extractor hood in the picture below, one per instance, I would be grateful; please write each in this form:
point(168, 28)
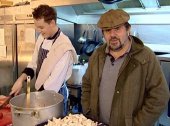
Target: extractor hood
point(131, 6)
point(90, 12)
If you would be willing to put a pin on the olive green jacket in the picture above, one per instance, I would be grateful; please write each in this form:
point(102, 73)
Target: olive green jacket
point(141, 92)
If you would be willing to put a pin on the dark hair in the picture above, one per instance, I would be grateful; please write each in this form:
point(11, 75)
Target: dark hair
point(46, 12)
point(127, 25)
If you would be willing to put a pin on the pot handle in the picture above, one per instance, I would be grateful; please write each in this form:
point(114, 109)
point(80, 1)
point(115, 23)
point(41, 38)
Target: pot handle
point(31, 113)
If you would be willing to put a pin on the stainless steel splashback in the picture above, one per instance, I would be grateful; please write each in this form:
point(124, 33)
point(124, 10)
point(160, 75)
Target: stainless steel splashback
point(8, 67)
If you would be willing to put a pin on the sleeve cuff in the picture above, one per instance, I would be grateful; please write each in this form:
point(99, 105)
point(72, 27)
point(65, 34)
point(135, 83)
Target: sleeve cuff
point(29, 72)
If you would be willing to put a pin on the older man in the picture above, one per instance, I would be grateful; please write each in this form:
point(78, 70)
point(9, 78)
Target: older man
point(124, 84)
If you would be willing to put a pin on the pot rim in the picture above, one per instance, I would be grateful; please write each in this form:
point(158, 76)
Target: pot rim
point(60, 101)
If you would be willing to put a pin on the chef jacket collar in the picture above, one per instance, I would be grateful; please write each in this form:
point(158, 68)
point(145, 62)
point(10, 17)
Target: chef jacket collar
point(54, 36)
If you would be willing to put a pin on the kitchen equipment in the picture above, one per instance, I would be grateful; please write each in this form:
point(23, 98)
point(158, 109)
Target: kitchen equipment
point(90, 44)
point(109, 1)
point(77, 119)
point(43, 106)
point(28, 92)
point(77, 73)
point(6, 101)
point(18, 44)
point(83, 37)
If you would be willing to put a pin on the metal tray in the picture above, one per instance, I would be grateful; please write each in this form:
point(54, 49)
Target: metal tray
point(44, 123)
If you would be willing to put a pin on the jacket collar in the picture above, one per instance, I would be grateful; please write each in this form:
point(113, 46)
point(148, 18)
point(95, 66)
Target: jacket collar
point(137, 45)
point(55, 35)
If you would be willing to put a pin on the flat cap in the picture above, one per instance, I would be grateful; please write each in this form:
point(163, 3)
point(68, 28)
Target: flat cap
point(113, 18)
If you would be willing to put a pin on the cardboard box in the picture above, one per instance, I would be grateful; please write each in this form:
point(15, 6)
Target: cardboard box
point(6, 3)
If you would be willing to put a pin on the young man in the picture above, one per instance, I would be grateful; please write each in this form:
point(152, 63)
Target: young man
point(123, 84)
point(53, 56)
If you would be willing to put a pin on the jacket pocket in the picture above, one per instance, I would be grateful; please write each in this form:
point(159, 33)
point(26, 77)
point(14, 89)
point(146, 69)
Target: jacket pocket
point(129, 121)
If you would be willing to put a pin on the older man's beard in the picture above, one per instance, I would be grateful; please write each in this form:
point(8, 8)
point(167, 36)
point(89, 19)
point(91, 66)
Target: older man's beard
point(113, 48)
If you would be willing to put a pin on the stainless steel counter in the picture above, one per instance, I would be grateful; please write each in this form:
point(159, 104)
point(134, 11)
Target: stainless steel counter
point(164, 57)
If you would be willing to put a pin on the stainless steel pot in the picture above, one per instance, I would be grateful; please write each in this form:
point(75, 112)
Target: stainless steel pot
point(43, 106)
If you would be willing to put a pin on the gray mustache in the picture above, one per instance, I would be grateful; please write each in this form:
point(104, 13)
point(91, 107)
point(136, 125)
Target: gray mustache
point(114, 38)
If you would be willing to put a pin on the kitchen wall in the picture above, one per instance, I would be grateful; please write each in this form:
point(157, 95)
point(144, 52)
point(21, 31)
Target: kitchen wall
point(152, 33)
point(148, 33)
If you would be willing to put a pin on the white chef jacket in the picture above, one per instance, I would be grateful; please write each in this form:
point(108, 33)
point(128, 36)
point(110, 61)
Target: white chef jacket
point(62, 65)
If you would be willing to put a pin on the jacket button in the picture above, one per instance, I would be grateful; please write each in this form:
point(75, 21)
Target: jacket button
point(117, 92)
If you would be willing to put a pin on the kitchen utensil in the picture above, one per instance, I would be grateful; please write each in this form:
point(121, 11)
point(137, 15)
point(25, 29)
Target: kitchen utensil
point(28, 92)
point(6, 101)
point(44, 105)
point(83, 37)
point(90, 45)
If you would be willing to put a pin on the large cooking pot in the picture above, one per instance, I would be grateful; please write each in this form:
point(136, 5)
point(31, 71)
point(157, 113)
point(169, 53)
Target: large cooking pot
point(43, 106)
